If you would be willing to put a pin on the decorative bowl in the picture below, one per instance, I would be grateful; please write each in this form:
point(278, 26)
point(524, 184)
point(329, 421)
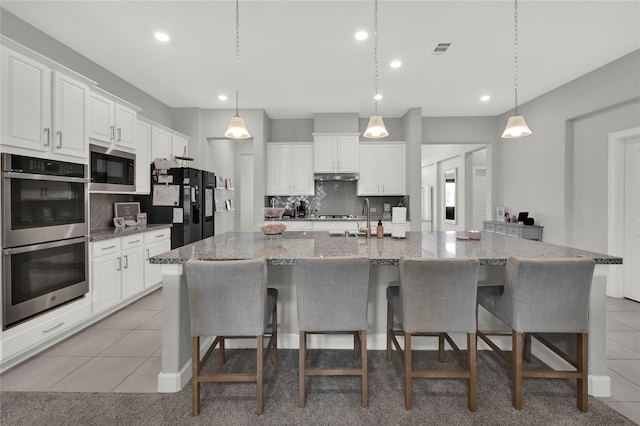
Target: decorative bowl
point(273, 228)
point(273, 212)
point(474, 234)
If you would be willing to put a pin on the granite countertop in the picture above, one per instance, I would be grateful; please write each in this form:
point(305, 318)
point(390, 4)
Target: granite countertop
point(329, 219)
point(108, 233)
point(491, 249)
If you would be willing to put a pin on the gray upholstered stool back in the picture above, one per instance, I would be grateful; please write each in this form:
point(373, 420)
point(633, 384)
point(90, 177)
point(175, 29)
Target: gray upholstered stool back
point(546, 295)
point(227, 298)
point(332, 293)
point(438, 295)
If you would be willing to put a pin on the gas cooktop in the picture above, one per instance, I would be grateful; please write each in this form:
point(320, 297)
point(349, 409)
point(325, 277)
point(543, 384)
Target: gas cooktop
point(337, 216)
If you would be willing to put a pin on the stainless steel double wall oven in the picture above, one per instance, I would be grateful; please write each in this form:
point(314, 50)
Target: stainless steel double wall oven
point(44, 235)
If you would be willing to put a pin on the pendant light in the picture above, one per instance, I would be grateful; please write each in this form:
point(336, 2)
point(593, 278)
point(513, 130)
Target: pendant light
point(516, 126)
point(375, 128)
point(237, 129)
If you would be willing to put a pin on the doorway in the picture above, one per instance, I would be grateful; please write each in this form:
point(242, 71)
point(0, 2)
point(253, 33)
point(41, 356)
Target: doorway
point(624, 212)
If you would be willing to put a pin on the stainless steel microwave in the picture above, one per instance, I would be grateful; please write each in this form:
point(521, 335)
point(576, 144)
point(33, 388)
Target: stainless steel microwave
point(112, 170)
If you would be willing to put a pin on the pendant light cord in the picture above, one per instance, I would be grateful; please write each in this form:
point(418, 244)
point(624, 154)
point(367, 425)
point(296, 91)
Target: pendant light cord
point(515, 53)
point(237, 53)
point(375, 53)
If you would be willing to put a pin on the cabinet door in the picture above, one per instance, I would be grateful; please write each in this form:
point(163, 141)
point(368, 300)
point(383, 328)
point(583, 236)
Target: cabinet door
point(143, 162)
point(279, 169)
point(133, 263)
point(101, 119)
point(324, 154)
point(348, 157)
point(152, 274)
point(125, 121)
point(26, 102)
point(70, 106)
point(160, 143)
point(106, 281)
point(392, 169)
point(179, 146)
point(301, 167)
point(369, 172)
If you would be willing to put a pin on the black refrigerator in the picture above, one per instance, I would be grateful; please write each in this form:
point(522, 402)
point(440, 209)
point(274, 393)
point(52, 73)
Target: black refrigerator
point(177, 198)
point(209, 185)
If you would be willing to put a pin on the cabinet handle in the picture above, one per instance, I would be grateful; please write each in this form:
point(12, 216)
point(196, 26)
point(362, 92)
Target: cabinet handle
point(338, 165)
point(48, 130)
point(148, 254)
point(113, 133)
point(160, 236)
point(108, 248)
point(126, 261)
point(59, 133)
point(53, 328)
point(119, 264)
point(119, 134)
point(383, 188)
point(134, 242)
point(333, 165)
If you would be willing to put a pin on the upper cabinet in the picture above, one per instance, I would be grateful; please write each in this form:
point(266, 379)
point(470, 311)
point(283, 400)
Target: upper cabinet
point(143, 157)
point(382, 169)
point(166, 143)
point(112, 121)
point(43, 109)
point(289, 169)
point(336, 153)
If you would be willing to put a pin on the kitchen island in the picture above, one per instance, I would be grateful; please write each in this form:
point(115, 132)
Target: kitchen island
point(282, 250)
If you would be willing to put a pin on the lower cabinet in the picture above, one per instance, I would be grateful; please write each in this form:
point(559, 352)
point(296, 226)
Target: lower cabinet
point(106, 274)
point(155, 243)
point(132, 265)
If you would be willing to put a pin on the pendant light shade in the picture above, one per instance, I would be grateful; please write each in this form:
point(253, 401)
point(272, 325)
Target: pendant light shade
point(516, 126)
point(237, 129)
point(375, 128)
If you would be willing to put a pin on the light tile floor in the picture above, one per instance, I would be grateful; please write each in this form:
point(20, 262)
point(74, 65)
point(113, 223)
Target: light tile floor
point(122, 354)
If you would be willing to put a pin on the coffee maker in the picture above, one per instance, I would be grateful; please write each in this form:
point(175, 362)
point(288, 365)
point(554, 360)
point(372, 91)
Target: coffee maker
point(302, 209)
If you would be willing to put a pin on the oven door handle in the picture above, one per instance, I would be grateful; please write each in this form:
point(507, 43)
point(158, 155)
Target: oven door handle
point(34, 247)
point(17, 175)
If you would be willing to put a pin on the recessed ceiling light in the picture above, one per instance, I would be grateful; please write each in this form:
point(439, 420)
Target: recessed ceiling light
point(361, 35)
point(396, 64)
point(377, 97)
point(160, 36)
point(485, 98)
point(223, 97)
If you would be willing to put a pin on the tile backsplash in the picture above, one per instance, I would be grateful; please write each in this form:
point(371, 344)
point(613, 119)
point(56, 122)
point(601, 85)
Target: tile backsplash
point(101, 210)
point(336, 198)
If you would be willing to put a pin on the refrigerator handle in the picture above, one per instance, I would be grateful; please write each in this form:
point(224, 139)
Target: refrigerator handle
point(196, 215)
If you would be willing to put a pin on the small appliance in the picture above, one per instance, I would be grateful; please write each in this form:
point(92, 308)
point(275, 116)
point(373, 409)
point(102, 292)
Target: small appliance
point(112, 170)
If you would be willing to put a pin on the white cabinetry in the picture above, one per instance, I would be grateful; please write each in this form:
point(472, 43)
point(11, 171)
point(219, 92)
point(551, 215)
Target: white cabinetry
point(290, 169)
point(382, 169)
point(143, 158)
point(132, 265)
point(336, 153)
point(166, 143)
point(155, 243)
point(43, 109)
point(112, 122)
point(106, 274)
point(337, 225)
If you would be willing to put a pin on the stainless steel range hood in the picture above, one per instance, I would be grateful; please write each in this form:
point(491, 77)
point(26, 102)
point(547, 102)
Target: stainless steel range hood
point(342, 177)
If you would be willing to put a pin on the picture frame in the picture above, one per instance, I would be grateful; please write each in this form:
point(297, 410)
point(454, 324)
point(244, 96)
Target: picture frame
point(141, 218)
point(500, 213)
point(118, 222)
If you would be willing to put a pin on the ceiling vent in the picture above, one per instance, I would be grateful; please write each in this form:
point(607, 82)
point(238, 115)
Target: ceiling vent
point(441, 48)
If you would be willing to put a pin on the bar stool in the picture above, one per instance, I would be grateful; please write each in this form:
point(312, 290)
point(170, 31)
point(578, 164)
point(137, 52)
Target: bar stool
point(435, 297)
point(230, 300)
point(332, 297)
point(543, 296)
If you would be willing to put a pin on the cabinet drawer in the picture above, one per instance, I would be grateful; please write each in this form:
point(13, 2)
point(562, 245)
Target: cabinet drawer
point(132, 241)
point(513, 231)
point(299, 226)
point(43, 328)
point(501, 229)
point(103, 248)
point(157, 235)
point(490, 227)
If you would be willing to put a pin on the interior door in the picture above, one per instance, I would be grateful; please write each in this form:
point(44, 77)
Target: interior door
point(632, 220)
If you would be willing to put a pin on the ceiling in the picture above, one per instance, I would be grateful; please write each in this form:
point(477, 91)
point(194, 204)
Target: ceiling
point(300, 57)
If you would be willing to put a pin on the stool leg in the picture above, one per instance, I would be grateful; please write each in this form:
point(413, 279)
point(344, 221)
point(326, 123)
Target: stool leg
point(516, 366)
point(260, 374)
point(408, 379)
point(472, 346)
point(274, 325)
point(365, 382)
point(195, 367)
point(302, 355)
point(527, 348)
point(441, 347)
point(583, 351)
point(389, 329)
point(221, 351)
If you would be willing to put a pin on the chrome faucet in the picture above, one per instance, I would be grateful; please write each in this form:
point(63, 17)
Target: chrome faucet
point(367, 230)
